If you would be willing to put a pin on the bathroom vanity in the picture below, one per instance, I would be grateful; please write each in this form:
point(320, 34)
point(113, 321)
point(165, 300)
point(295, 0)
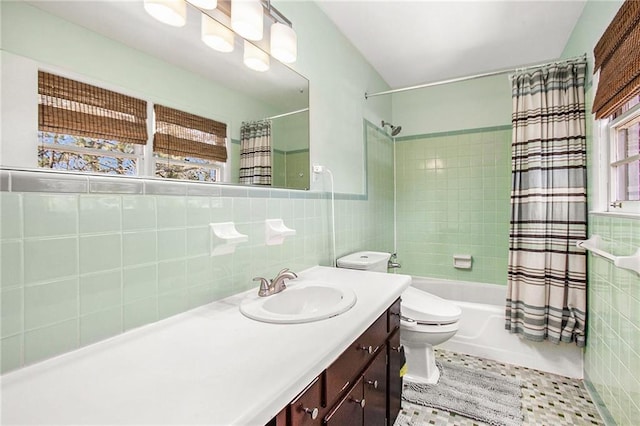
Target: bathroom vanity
point(361, 387)
point(212, 365)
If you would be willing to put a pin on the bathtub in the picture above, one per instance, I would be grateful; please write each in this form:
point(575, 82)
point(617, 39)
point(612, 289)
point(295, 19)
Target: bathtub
point(482, 332)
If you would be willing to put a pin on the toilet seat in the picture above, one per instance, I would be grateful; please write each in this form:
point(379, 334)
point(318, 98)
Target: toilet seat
point(423, 308)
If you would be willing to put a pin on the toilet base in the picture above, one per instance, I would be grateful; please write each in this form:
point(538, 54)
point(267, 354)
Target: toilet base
point(421, 364)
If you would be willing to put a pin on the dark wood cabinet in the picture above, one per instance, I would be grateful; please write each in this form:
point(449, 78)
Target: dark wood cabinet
point(350, 409)
point(361, 387)
point(394, 381)
point(348, 367)
point(374, 381)
point(306, 409)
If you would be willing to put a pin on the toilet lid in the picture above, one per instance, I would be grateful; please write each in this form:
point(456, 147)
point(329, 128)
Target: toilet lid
point(363, 260)
point(427, 308)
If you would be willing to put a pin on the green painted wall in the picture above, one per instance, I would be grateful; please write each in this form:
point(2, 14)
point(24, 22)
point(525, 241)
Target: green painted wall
point(339, 77)
point(473, 104)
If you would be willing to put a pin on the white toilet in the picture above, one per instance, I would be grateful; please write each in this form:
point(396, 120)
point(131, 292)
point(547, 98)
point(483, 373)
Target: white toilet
point(426, 320)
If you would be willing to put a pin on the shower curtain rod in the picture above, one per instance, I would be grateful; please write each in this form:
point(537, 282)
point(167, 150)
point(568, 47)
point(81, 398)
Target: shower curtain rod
point(287, 113)
point(472, 77)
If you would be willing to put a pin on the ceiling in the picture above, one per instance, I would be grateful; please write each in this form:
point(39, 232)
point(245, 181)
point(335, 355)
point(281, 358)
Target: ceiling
point(414, 42)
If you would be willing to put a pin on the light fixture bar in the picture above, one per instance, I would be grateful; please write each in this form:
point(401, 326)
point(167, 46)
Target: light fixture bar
point(275, 14)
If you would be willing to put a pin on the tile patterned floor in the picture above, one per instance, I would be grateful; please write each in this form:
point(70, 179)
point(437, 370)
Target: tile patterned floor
point(547, 399)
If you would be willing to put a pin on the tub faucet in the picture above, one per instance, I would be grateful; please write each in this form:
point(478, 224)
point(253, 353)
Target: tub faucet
point(393, 262)
point(276, 285)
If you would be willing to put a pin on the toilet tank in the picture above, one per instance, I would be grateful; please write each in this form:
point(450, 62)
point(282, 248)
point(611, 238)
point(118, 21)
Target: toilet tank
point(365, 261)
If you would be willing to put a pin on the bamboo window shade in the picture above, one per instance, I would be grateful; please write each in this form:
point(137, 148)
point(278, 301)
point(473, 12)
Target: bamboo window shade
point(617, 55)
point(70, 107)
point(186, 135)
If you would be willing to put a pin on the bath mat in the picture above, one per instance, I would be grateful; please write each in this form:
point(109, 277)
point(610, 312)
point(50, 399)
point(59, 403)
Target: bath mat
point(480, 395)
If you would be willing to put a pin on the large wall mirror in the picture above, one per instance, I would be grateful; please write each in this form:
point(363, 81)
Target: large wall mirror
point(279, 94)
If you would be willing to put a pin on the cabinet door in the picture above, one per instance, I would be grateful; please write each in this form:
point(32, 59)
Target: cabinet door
point(305, 410)
point(394, 381)
point(346, 369)
point(375, 391)
point(350, 410)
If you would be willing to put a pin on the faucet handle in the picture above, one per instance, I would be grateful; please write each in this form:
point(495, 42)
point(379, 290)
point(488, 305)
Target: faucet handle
point(264, 286)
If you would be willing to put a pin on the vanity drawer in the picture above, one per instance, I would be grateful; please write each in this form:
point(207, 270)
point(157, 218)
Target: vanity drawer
point(350, 410)
point(306, 409)
point(393, 321)
point(349, 365)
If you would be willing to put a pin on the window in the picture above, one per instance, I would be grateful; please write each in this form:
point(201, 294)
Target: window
point(86, 128)
point(616, 104)
point(624, 159)
point(188, 146)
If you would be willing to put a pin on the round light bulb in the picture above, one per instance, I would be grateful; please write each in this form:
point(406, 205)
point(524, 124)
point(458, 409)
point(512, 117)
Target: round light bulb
point(215, 35)
point(284, 43)
point(171, 12)
point(247, 18)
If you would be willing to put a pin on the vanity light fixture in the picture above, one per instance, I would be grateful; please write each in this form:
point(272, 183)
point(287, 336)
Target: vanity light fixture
point(215, 35)
point(204, 4)
point(255, 58)
point(284, 43)
point(170, 12)
point(247, 18)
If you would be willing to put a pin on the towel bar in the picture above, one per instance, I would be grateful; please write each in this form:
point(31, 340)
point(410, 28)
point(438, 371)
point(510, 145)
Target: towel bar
point(626, 262)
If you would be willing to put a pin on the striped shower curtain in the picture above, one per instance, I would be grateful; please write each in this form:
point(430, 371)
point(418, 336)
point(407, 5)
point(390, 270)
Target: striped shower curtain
point(546, 295)
point(255, 153)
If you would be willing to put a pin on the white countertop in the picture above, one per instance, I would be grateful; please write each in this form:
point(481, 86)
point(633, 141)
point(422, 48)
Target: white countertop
point(210, 365)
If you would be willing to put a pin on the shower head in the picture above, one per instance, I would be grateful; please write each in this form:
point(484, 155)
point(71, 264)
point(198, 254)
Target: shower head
point(394, 129)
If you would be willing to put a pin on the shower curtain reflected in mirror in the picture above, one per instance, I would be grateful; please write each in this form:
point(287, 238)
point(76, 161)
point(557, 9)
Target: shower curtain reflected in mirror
point(546, 295)
point(255, 153)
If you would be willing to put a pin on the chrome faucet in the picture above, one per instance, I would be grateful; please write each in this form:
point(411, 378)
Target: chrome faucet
point(276, 285)
point(393, 261)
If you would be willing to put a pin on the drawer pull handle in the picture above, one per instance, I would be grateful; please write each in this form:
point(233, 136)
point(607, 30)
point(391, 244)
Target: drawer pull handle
point(312, 412)
point(396, 348)
point(395, 314)
point(373, 383)
point(360, 402)
point(367, 349)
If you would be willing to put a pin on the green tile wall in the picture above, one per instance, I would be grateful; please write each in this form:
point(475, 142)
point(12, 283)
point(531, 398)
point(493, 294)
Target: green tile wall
point(612, 356)
point(453, 198)
point(79, 268)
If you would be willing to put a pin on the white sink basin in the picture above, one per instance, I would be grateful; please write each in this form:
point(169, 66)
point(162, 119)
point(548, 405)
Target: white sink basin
point(300, 302)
